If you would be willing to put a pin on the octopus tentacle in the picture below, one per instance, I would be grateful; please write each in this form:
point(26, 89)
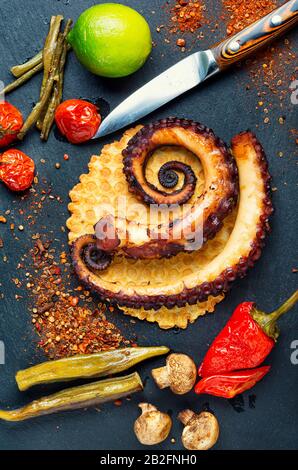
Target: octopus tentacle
point(205, 214)
point(168, 177)
point(240, 253)
point(94, 258)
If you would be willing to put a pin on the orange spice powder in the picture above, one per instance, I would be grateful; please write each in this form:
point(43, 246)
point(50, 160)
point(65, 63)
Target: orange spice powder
point(242, 13)
point(187, 16)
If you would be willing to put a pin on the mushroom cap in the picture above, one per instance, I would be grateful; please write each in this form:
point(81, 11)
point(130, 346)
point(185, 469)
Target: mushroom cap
point(182, 373)
point(201, 432)
point(153, 426)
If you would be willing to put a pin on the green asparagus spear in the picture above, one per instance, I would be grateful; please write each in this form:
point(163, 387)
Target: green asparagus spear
point(86, 366)
point(77, 397)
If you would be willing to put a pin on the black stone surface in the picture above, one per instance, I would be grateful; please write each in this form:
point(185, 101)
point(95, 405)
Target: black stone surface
point(263, 418)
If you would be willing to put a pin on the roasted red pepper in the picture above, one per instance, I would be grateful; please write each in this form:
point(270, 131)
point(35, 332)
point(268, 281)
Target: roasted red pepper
point(230, 384)
point(245, 341)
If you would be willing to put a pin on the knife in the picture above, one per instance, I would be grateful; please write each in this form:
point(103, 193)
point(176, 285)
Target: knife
point(198, 67)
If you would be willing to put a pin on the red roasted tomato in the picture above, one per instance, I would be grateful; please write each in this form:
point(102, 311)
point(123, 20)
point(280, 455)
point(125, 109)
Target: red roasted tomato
point(11, 121)
point(77, 120)
point(16, 170)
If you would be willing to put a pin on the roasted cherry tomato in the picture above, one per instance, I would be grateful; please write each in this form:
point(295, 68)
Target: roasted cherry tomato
point(16, 170)
point(11, 121)
point(77, 120)
point(230, 384)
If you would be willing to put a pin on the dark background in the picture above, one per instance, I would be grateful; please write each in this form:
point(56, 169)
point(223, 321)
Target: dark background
point(225, 105)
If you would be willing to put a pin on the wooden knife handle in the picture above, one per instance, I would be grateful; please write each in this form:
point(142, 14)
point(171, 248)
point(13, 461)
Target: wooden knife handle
point(255, 36)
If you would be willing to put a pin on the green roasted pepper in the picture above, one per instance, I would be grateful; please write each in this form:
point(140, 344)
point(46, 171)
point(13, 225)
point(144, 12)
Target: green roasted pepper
point(77, 397)
point(86, 366)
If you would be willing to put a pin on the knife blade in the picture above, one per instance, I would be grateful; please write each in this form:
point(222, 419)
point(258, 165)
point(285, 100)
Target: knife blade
point(176, 80)
point(198, 67)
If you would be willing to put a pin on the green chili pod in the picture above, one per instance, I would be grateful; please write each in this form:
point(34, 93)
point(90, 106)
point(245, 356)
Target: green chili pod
point(41, 106)
point(22, 79)
point(86, 366)
point(49, 51)
point(19, 70)
point(77, 397)
point(56, 97)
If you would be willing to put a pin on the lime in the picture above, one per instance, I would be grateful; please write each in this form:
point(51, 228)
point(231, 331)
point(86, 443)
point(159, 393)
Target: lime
point(111, 40)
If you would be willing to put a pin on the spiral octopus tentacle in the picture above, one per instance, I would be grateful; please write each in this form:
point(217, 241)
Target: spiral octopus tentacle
point(94, 257)
point(168, 177)
point(240, 253)
point(181, 132)
point(204, 216)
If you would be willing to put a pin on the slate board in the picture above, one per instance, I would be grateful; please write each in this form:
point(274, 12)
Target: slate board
point(227, 107)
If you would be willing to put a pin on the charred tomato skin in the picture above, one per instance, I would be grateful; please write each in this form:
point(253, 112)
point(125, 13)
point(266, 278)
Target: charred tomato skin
point(16, 170)
point(11, 121)
point(78, 120)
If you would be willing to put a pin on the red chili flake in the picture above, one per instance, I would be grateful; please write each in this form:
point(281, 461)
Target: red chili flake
point(186, 16)
point(65, 323)
point(56, 270)
point(242, 14)
point(118, 402)
point(74, 301)
point(181, 42)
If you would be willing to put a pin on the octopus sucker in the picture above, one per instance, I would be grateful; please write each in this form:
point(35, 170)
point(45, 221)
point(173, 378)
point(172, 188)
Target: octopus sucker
point(240, 252)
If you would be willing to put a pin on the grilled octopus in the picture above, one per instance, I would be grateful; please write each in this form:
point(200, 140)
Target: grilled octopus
point(199, 223)
point(222, 169)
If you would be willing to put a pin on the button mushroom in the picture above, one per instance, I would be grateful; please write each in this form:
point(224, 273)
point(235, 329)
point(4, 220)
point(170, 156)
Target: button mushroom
point(201, 430)
point(179, 374)
point(153, 426)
